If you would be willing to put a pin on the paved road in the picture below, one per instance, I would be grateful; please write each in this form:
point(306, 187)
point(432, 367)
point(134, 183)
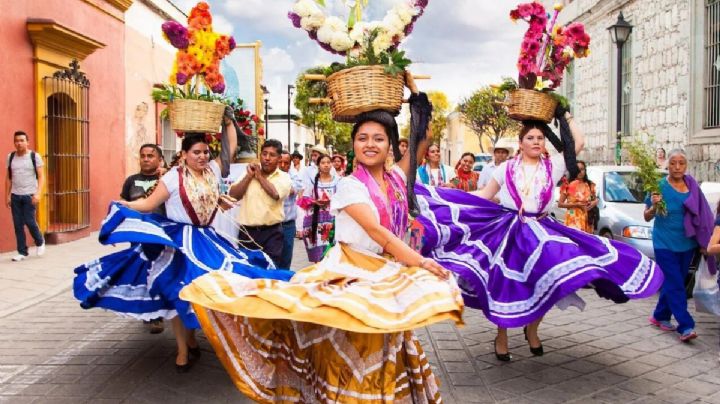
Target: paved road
point(51, 351)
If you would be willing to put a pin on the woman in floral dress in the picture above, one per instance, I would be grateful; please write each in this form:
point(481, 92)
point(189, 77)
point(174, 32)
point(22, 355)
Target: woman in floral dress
point(579, 197)
point(318, 222)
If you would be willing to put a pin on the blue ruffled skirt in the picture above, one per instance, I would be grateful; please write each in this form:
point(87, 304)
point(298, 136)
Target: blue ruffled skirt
point(144, 280)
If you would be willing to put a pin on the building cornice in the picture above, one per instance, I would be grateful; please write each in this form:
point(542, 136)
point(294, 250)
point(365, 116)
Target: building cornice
point(49, 34)
point(122, 5)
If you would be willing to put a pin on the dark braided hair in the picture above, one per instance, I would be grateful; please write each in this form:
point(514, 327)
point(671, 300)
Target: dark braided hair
point(316, 207)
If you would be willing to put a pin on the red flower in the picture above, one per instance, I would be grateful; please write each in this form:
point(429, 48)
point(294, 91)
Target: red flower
point(248, 131)
point(575, 29)
point(255, 118)
point(261, 131)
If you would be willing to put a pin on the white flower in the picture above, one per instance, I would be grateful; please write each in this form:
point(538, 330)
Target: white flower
point(341, 42)
point(383, 41)
point(359, 31)
point(405, 12)
point(354, 52)
point(305, 8)
point(393, 24)
point(313, 22)
point(331, 26)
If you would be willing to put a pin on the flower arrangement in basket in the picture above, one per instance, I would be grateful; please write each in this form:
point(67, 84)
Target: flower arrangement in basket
point(372, 76)
point(546, 51)
point(197, 63)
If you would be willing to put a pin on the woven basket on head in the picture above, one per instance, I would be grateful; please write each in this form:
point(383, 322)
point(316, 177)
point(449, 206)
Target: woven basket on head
point(196, 116)
point(525, 105)
point(362, 89)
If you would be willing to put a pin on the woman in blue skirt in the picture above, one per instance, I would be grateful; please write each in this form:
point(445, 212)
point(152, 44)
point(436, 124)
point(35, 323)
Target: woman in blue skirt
point(166, 254)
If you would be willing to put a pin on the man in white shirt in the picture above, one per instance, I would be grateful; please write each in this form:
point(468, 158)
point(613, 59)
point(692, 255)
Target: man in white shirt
point(500, 155)
point(290, 207)
point(23, 187)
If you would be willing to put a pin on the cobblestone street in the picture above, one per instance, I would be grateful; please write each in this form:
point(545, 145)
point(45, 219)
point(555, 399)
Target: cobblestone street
point(52, 351)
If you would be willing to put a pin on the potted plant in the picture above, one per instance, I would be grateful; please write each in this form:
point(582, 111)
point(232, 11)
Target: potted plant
point(642, 155)
point(197, 64)
point(373, 74)
point(546, 51)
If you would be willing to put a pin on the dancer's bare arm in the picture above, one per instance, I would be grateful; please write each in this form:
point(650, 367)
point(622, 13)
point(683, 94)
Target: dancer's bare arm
point(159, 196)
point(390, 243)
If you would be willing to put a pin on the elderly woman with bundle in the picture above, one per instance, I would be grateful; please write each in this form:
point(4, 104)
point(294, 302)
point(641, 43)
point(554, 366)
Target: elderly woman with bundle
point(684, 227)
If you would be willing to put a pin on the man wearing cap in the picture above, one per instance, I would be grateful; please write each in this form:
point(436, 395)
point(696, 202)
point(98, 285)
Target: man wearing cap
point(500, 152)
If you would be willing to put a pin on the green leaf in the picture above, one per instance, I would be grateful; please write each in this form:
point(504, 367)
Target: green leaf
point(321, 3)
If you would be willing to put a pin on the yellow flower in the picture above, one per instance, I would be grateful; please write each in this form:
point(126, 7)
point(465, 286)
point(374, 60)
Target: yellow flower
point(558, 7)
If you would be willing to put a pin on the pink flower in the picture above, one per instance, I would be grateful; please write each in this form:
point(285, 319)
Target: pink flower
point(575, 29)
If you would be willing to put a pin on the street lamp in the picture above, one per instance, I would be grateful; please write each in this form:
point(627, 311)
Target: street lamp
point(266, 93)
point(290, 91)
point(619, 33)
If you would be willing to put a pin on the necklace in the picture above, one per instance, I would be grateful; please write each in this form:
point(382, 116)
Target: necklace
point(527, 181)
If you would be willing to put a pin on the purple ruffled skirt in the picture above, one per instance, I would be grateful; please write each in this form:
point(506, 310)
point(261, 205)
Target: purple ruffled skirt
point(515, 269)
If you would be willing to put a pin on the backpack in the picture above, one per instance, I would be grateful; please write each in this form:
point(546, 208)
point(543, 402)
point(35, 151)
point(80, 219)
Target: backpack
point(32, 158)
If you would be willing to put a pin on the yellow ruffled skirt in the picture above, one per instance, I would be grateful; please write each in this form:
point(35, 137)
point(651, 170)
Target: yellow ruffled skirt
point(339, 331)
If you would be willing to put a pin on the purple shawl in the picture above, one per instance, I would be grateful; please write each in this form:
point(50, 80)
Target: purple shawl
point(699, 219)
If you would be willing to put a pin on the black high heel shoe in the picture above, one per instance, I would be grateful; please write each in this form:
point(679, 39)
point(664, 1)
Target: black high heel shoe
point(195, 352)
point(501, 357)
point(184, 368)
point(535, 351)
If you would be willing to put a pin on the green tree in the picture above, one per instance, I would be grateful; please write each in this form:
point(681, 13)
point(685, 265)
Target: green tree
point(319, 116)
point(485, 114)
point(441, 109)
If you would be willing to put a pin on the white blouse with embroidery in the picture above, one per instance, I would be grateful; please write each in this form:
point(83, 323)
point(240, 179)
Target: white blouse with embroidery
point(351, 191)
point(530, 202)
point(174, 208)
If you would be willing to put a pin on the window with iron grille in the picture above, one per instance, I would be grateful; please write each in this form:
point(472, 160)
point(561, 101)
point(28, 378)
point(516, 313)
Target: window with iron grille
point(627, 87)
point(711, 40)
point(67, 134)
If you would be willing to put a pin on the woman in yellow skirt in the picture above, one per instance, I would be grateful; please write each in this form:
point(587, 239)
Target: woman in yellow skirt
point(341, 330)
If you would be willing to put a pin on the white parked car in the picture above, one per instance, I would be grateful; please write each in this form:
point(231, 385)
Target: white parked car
point(622, 203)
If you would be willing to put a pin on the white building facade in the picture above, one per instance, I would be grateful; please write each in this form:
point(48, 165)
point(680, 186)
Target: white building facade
point(302, 138)
point(670, 80)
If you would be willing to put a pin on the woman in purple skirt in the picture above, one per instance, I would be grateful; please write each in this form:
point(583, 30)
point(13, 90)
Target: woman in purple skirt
point(514, 262)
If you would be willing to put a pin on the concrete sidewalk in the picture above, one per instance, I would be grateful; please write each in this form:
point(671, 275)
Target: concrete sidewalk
point(26, 283)
point(53, 351)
